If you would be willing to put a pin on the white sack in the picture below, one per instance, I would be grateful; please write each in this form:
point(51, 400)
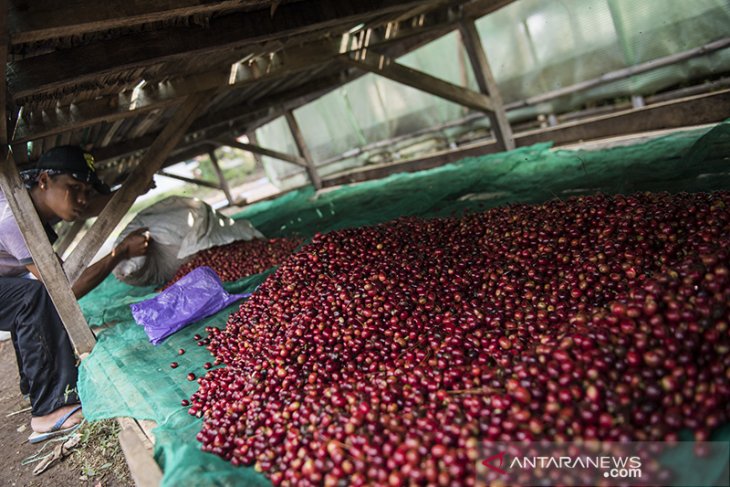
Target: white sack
point(180, 227)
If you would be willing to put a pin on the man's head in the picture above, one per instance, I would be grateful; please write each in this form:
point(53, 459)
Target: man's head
point(74, 161)
point(63, 180)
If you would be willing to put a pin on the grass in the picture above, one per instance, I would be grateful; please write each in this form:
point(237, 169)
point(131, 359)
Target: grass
point(99, 457)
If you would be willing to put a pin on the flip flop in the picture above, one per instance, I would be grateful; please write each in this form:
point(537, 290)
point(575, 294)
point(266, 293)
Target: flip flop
point(56, 428)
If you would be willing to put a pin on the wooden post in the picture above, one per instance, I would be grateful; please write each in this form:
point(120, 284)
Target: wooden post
point(44, 257)
point(258, 150)
point(221, 178)
point(387, 67)
point(135, 184)
point(32, 229)
point(487, 84)
point(303, 149)
point(254, 141)
point(199, 182)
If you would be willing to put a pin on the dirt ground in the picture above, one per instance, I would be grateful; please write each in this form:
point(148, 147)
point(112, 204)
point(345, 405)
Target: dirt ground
point(98, 461)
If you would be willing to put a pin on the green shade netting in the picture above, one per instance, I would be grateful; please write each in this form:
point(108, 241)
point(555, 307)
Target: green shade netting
point(533, 46)
point(685, 161)
point(127, 376)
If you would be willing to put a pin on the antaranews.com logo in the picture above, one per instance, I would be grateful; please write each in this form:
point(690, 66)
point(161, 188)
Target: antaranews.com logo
point(605, 463)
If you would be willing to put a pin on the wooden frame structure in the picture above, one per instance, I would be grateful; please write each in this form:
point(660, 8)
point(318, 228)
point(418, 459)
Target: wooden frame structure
point(122, 94)
point(144, 85)
point(147, 85)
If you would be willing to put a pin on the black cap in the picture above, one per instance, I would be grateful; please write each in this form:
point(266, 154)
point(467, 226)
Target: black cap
point(73, 160)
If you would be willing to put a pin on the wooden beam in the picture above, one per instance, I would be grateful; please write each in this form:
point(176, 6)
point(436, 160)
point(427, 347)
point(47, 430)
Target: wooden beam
point(239, 119)
point(693, 110)
point(675, 114)
point(251, 135)
point(35, 236)
point(37, 21)
point(155, 96)
point(220, 123)
point(298, 160)
point(273, 104)
point(142, 466)
point(135, 184)
point(270, 66)
point(68, 67)
point(487, 84)
point(480, 8)
point(303, 149)
point(244, 117)
point(111, 132)
point(141, 126)
point(198, 182)
point(187, 153)
point(151, 96)
point(221, 178)
point(384, 66)
point(89, 113)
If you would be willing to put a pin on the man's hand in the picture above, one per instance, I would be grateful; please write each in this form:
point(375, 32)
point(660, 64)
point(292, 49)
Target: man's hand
point(134, 245)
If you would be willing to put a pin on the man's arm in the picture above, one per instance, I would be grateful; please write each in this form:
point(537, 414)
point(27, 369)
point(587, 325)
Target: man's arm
point(134, 245)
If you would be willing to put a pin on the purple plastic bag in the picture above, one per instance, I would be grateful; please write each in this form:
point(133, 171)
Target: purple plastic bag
point(197, 295)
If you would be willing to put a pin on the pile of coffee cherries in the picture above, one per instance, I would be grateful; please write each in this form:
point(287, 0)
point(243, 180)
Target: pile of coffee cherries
point(389, 355)
point(240, 259)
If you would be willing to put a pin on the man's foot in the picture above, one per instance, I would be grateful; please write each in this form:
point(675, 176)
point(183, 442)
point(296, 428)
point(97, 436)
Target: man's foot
point(44, 424)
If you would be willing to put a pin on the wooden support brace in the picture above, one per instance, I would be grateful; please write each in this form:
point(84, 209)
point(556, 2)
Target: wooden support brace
point(255, 149)
point(255, 142)
point(135, 183)
point(221, 178)
point(303, 149)
point(31, 227)
point(389, 68)
point(44, 257)
point(487, 84)
point(199, 182)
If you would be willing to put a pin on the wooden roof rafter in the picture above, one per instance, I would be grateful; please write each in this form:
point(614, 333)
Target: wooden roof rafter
point(256, 79)
point(198, 139)
point(39, 21)
point(56, 70)
point(272, 66)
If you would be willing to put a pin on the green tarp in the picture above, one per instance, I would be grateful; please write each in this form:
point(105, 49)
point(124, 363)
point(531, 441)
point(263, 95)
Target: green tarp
point(127, 376)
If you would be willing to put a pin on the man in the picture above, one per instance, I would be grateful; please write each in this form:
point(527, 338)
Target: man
point(63, 186)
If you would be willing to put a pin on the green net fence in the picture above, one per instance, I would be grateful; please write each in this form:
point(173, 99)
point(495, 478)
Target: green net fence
point(533, 46)
point(127, 376)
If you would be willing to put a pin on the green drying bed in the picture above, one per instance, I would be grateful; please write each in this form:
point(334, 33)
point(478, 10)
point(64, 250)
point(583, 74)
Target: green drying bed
point(127, 376)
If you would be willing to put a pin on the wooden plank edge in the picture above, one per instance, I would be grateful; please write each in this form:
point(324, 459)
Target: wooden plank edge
point(137, 449)
point(675, 114)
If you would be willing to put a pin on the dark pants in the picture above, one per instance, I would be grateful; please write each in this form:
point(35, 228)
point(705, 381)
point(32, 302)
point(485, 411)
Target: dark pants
point(46, 360)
